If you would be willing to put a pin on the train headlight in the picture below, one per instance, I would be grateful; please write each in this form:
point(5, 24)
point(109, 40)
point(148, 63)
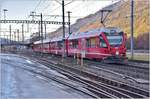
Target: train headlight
point(117, 53)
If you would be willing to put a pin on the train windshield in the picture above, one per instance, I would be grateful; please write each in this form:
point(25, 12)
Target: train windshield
point(115, 39)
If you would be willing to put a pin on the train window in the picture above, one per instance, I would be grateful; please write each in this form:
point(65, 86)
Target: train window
point(102, 42)
point(88, 43)
point(114, 38)
point(93, 42)
point(73, 44)
point(60, 44)
point(45, 45)
point(70, 44)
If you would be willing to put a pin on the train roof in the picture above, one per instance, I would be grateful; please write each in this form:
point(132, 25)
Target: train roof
point(56, 39)
point(49, 40)
point(94, 32)
point(37, 42)
point(87, 34)
point(44, 41)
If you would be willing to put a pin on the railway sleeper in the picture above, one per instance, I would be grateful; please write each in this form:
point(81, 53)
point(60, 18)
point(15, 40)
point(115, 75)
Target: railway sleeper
point(106, 81)
point(143, 92)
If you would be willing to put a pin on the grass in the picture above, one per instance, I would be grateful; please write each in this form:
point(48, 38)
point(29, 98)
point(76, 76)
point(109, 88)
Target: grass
point(143, 57)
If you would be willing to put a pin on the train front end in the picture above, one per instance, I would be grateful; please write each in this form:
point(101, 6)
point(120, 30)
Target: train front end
point(116, 42)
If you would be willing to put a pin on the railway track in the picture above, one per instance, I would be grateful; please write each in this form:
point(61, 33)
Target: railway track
point(133, 75)
point(115, 88)
point(125, 90)
point(128, 70)
point(131, 72)
point(60, 80)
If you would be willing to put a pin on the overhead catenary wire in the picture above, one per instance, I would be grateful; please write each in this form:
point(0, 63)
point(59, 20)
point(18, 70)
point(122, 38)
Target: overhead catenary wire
point(127, 15)
point(37, 5)
point(86, 0)
point(46, 7)
point(60, 6)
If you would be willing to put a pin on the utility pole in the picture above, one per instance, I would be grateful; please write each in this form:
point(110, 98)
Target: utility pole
point(15, 37)
point(10, 33)
point(7, 39)
point(69, 22)
point(63, 18)
point(39, 32)
point(18, 35)
point(68, 28)
point(45, 31)
point(12, 37)
point(22, 33)
point(132, 29)
point(42, 30)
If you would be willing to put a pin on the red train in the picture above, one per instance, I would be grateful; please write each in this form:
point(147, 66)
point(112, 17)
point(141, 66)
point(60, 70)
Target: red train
point(108, 44)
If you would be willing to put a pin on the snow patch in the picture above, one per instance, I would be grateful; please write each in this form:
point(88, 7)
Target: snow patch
point(28, 61)
point(57, 74)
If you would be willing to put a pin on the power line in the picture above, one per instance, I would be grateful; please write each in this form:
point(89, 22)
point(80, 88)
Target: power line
point(46, 7)
point(58, 2)
point(69, 2)
point(55, 9)
point(60, 6)
point(37, 5)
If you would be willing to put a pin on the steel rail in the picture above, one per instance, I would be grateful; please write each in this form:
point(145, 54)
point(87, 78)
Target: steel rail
point(123, 86)
point(138, 95)
point(43, 74)
point(123, 69)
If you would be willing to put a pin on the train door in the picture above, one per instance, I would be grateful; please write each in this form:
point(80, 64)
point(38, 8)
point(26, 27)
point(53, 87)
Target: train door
point(103, 51)
point(88, 43)
point(83, 47)
point(49, 47)
point(92, 48)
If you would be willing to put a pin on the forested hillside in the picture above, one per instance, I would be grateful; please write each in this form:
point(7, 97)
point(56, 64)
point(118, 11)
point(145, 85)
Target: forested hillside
point(119, 17)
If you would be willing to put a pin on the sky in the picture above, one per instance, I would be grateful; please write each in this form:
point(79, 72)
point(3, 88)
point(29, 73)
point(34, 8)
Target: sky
point(20, 10)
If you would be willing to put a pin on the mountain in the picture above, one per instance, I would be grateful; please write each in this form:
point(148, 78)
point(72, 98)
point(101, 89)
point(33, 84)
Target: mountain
point(119, 17)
